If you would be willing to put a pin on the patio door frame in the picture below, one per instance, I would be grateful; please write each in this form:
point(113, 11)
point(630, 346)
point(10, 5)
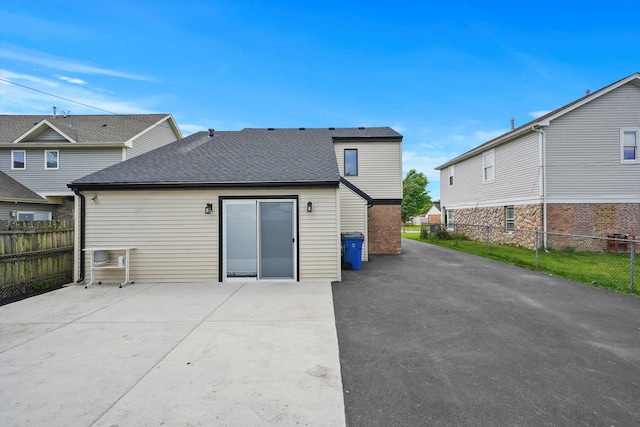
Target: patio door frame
point(222, 258)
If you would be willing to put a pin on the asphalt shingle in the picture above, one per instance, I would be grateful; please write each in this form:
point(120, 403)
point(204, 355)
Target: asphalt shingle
point(81, 128)
point(249, 156)
point(10, 189)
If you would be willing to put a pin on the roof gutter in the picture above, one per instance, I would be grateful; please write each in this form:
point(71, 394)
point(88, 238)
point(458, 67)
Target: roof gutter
point(82, 234)
point(543, 177)
point(201, 185)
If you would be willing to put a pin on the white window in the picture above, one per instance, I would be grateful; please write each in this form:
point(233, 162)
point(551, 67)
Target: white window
point(488, 165)
point(450, 176)
point(350, 162)
point(52, 159)
point(629, 140)
point(34, 216)
point(18, 159)
point(450, 219)
point(510, 217)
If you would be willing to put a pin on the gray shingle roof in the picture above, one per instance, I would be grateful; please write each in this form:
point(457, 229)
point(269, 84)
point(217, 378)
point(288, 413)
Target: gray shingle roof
point(246, 157)
point(81, 128)
point(10, 189)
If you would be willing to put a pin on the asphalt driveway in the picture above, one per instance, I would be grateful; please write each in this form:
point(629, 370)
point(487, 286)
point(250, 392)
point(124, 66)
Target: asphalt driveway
point(174, 354)
point(440, 337)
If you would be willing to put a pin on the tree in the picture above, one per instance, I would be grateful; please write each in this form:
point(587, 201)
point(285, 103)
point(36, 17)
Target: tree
point(415, 197)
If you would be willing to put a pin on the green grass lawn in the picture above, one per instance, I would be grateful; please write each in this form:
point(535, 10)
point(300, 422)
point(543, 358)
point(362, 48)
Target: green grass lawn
point(411, 228)
point(607, 271)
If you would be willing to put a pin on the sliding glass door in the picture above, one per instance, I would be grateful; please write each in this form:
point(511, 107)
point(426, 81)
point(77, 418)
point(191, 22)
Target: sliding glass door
point(259, 239)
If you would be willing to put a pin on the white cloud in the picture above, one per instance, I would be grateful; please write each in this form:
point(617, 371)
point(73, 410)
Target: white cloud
point(536, 114)
point(189, 128)
point(8, 75)
point(34, 95)
point(64, 64)
point(73, 80)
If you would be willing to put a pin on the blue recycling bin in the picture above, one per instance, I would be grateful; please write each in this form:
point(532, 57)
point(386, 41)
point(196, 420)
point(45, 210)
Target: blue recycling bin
point(352, 250)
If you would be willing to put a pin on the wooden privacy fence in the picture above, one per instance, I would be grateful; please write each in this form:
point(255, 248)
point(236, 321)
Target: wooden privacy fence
point(35, 256)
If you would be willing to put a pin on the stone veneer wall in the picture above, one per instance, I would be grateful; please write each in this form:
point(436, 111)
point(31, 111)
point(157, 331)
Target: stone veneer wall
point(594, 219)
point(473, 224)
point(385, 227)
point(65, 210)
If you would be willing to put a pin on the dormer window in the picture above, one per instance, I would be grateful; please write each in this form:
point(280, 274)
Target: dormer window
point(18, 160)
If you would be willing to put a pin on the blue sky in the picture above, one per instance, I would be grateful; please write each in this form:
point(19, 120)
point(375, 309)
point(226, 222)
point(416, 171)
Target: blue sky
point(448, 75)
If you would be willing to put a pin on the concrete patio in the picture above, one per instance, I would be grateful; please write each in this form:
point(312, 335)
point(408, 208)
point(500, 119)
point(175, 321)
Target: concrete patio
point(172, 354)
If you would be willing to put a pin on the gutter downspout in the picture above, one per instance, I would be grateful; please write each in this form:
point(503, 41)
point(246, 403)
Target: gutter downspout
point(82, 229)
point(543, 178)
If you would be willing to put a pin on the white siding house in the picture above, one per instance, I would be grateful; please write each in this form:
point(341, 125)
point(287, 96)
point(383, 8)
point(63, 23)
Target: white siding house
point(255, 204)
point(574, 170)
point(46, 152)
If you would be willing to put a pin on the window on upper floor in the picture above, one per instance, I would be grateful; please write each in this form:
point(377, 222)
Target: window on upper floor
point(450, 176)
point(18, 159)
point(510, 219)
point(51, 159)
point(488, 166)
point(350, 162)
point(629, 140)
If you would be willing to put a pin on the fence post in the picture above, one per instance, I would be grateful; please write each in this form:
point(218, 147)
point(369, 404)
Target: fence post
point(536, 244)
point(632, 286)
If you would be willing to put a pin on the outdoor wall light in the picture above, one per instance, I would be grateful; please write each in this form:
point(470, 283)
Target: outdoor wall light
point(309, 207)
point(208, 209)
point(94, 198)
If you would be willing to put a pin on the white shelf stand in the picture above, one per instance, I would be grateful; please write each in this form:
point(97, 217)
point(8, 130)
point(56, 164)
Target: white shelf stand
point(111, 264)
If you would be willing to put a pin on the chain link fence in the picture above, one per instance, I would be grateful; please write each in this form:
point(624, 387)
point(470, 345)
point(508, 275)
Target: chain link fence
point(608, 262)
point(35, 256)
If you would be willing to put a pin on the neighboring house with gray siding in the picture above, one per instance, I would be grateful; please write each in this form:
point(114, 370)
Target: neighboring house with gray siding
point(574, 170)
point(20, 203)
point(46, 152)
point(254, 204)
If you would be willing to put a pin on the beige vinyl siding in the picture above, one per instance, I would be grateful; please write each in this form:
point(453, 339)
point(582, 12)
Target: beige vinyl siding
point(74, 163)
point(379, 167)
point(176, 242)
point(583, 150)
point(160, 135)
point(319, 235)
point(517, 177)
point(353, 216)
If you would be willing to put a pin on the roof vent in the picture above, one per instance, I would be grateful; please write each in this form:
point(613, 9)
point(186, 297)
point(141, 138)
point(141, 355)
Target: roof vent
point(211, 132)
point(361, 127)
point(55, 111)
point(301, 128)
point(588, 91)
point(269, 128)
point(332, 128)
point(513, 123)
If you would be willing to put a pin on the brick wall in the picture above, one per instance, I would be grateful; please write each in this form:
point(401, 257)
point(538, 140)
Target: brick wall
point(593, 219)
point(384, 229)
